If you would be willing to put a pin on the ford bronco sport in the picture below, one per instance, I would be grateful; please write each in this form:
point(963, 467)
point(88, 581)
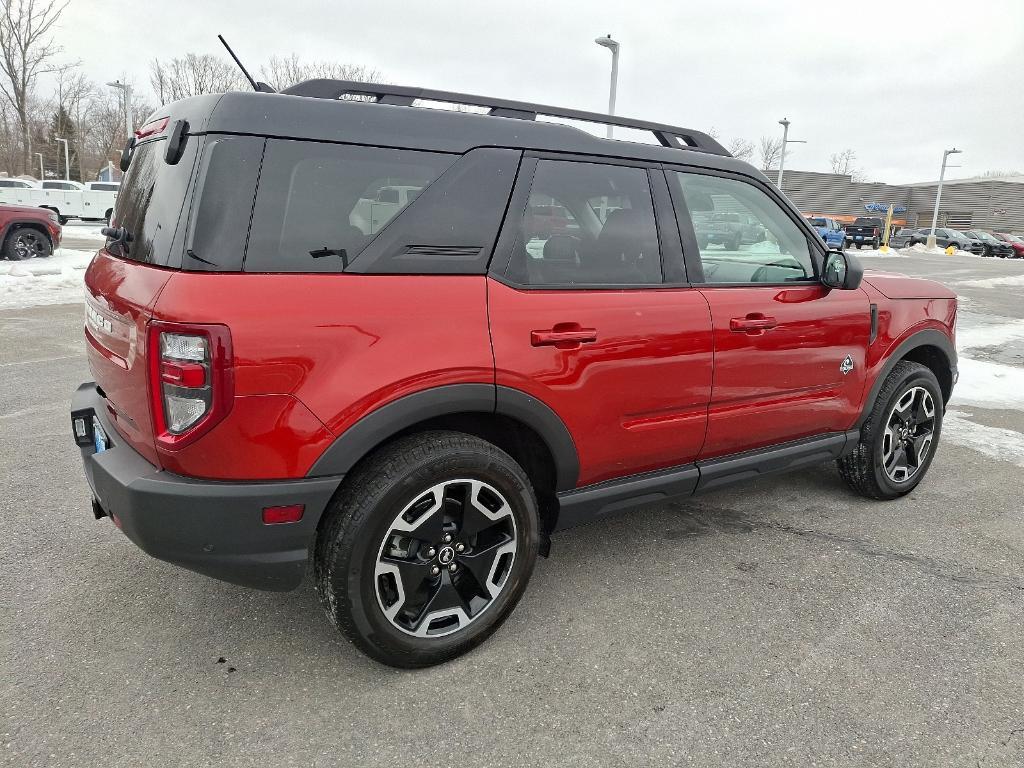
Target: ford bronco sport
point(413, 397)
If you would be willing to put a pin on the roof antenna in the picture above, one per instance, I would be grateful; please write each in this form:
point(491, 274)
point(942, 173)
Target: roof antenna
point(256, 86)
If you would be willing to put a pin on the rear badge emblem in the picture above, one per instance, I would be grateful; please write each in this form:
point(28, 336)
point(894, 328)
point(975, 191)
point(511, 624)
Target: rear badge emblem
point(847, 365)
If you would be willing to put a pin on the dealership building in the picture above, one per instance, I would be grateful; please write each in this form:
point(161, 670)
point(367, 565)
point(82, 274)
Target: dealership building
point(994, 203)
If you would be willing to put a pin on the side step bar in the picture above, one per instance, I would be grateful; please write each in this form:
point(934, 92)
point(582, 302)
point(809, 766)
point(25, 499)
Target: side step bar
point(583, 505)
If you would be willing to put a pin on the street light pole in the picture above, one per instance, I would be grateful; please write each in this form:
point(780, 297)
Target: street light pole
point(42, 173)
point(785, 141)
point(67, 161)
point(938, 196)
point(613, 46)
point(127, 91)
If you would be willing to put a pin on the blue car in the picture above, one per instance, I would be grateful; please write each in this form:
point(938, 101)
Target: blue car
point(831, 231)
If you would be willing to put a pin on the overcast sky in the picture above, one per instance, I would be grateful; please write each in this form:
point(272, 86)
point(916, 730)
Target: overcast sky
point(923, 76)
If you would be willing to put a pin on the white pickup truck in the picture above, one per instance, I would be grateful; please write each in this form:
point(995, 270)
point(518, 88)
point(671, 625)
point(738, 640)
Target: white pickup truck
point(93, 201)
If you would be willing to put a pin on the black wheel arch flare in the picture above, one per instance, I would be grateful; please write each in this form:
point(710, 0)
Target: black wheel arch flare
point(380, 425)
point(918, 342)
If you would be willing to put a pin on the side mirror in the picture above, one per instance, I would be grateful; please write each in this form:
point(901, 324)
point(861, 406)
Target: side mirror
point(842, 271)
point(126, 154)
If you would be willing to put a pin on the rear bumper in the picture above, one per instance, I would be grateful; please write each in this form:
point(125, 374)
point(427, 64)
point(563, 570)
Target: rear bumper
point(213, 528)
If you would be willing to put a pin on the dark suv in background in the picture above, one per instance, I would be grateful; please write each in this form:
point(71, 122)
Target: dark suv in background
point(992, 245)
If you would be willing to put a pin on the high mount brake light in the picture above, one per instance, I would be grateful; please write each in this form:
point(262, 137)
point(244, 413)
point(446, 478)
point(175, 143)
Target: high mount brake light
point(152, 128)
point(191, 380)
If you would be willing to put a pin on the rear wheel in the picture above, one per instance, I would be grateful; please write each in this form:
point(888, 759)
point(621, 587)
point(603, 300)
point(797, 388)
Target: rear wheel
point(899, 437)
point(427, 548)
point(25, 242)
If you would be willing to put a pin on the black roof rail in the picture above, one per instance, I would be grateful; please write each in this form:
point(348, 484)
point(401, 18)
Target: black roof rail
point(399, 95)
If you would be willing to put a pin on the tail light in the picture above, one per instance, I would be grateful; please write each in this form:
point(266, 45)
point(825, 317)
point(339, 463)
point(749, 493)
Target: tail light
point(191, 378)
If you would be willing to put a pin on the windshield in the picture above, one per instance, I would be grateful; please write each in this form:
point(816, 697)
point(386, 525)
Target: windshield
point(816, 222)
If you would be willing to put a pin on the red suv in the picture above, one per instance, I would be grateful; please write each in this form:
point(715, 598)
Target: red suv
point(414, 396)
point(26, 232)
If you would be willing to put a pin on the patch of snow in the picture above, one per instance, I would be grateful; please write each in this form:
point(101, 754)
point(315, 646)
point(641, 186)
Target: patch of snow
point(999, 443)
point(56, 280)
point(1010, 281)
point(765, 246)
point(985, 384)
point(975, 332)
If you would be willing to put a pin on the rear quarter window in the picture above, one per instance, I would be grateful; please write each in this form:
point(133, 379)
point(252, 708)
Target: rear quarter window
point(319, 205)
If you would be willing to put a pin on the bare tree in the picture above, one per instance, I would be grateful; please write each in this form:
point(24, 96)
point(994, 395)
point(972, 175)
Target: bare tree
point(770, 151)
point(842, 162)
point(26, 51)
point(741, 149)
point(281, 72)
point(192, 75)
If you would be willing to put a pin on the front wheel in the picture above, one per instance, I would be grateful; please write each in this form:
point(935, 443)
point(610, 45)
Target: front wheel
point(25, 242)
point(427, 548)
point(899, 437)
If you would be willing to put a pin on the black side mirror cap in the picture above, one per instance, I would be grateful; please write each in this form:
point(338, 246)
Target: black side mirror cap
point(176, 142)
point(126, 154)
point(842, 271)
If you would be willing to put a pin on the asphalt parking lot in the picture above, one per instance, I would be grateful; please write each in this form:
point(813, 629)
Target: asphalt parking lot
point(786, 622)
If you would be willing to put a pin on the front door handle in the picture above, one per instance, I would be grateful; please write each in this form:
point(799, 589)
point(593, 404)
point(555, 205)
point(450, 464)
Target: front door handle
point(563, 336)
point(754, 324)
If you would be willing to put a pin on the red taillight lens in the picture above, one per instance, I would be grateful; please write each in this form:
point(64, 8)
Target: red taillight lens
point(191, 379)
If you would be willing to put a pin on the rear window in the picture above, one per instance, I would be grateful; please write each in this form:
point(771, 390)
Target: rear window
point(149, 203)
point(104, 187)
point(319, 205)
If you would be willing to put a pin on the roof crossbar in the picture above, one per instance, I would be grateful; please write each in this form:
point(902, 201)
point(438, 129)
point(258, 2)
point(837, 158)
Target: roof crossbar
point(398, 95)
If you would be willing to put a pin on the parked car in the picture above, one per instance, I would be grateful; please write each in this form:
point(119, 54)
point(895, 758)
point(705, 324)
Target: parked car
point(728, 229)
point(830, 230)
point(1015, 242)
point(906, 237)
point(865, 230)
point(971, 243)
point(992, 246)
point(27, 232)
point(416, 413)
point(945, 237)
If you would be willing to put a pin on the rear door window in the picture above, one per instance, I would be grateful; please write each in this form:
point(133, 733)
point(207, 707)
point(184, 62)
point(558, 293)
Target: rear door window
point(587, 224)
point(319, 205)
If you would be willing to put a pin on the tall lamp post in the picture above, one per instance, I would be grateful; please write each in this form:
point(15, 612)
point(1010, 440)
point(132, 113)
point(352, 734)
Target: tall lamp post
point(613, 46)
point(127, 91)
point(785, 141)
point(938, 196)
point(42, 173)
point(67, 161)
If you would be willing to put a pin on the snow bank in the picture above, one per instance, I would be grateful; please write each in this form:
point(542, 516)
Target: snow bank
point(1010, 281)
point(870, 253)
point(936, 251)
point(56, 280)
point(91, 233)
point(974, 332)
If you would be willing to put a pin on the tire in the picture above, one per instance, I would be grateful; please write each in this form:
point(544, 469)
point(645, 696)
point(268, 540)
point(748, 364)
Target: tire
point(859, 246)
point(359, 582)
point(26, 242)
point(866, 470)
point(874, 244)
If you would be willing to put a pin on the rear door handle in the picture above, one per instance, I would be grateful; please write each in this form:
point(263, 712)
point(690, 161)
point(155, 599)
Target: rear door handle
point(754, 323)
point(563, 336)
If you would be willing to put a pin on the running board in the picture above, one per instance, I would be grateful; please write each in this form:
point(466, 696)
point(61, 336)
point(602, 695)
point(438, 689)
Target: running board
point(591, 502)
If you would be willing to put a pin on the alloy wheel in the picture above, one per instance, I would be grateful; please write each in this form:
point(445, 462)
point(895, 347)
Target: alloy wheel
point(445, 558)
point(908, 435)
point(29, 244)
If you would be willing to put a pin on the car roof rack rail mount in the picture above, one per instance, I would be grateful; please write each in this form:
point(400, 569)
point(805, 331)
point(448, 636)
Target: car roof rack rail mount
point(399, 95)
